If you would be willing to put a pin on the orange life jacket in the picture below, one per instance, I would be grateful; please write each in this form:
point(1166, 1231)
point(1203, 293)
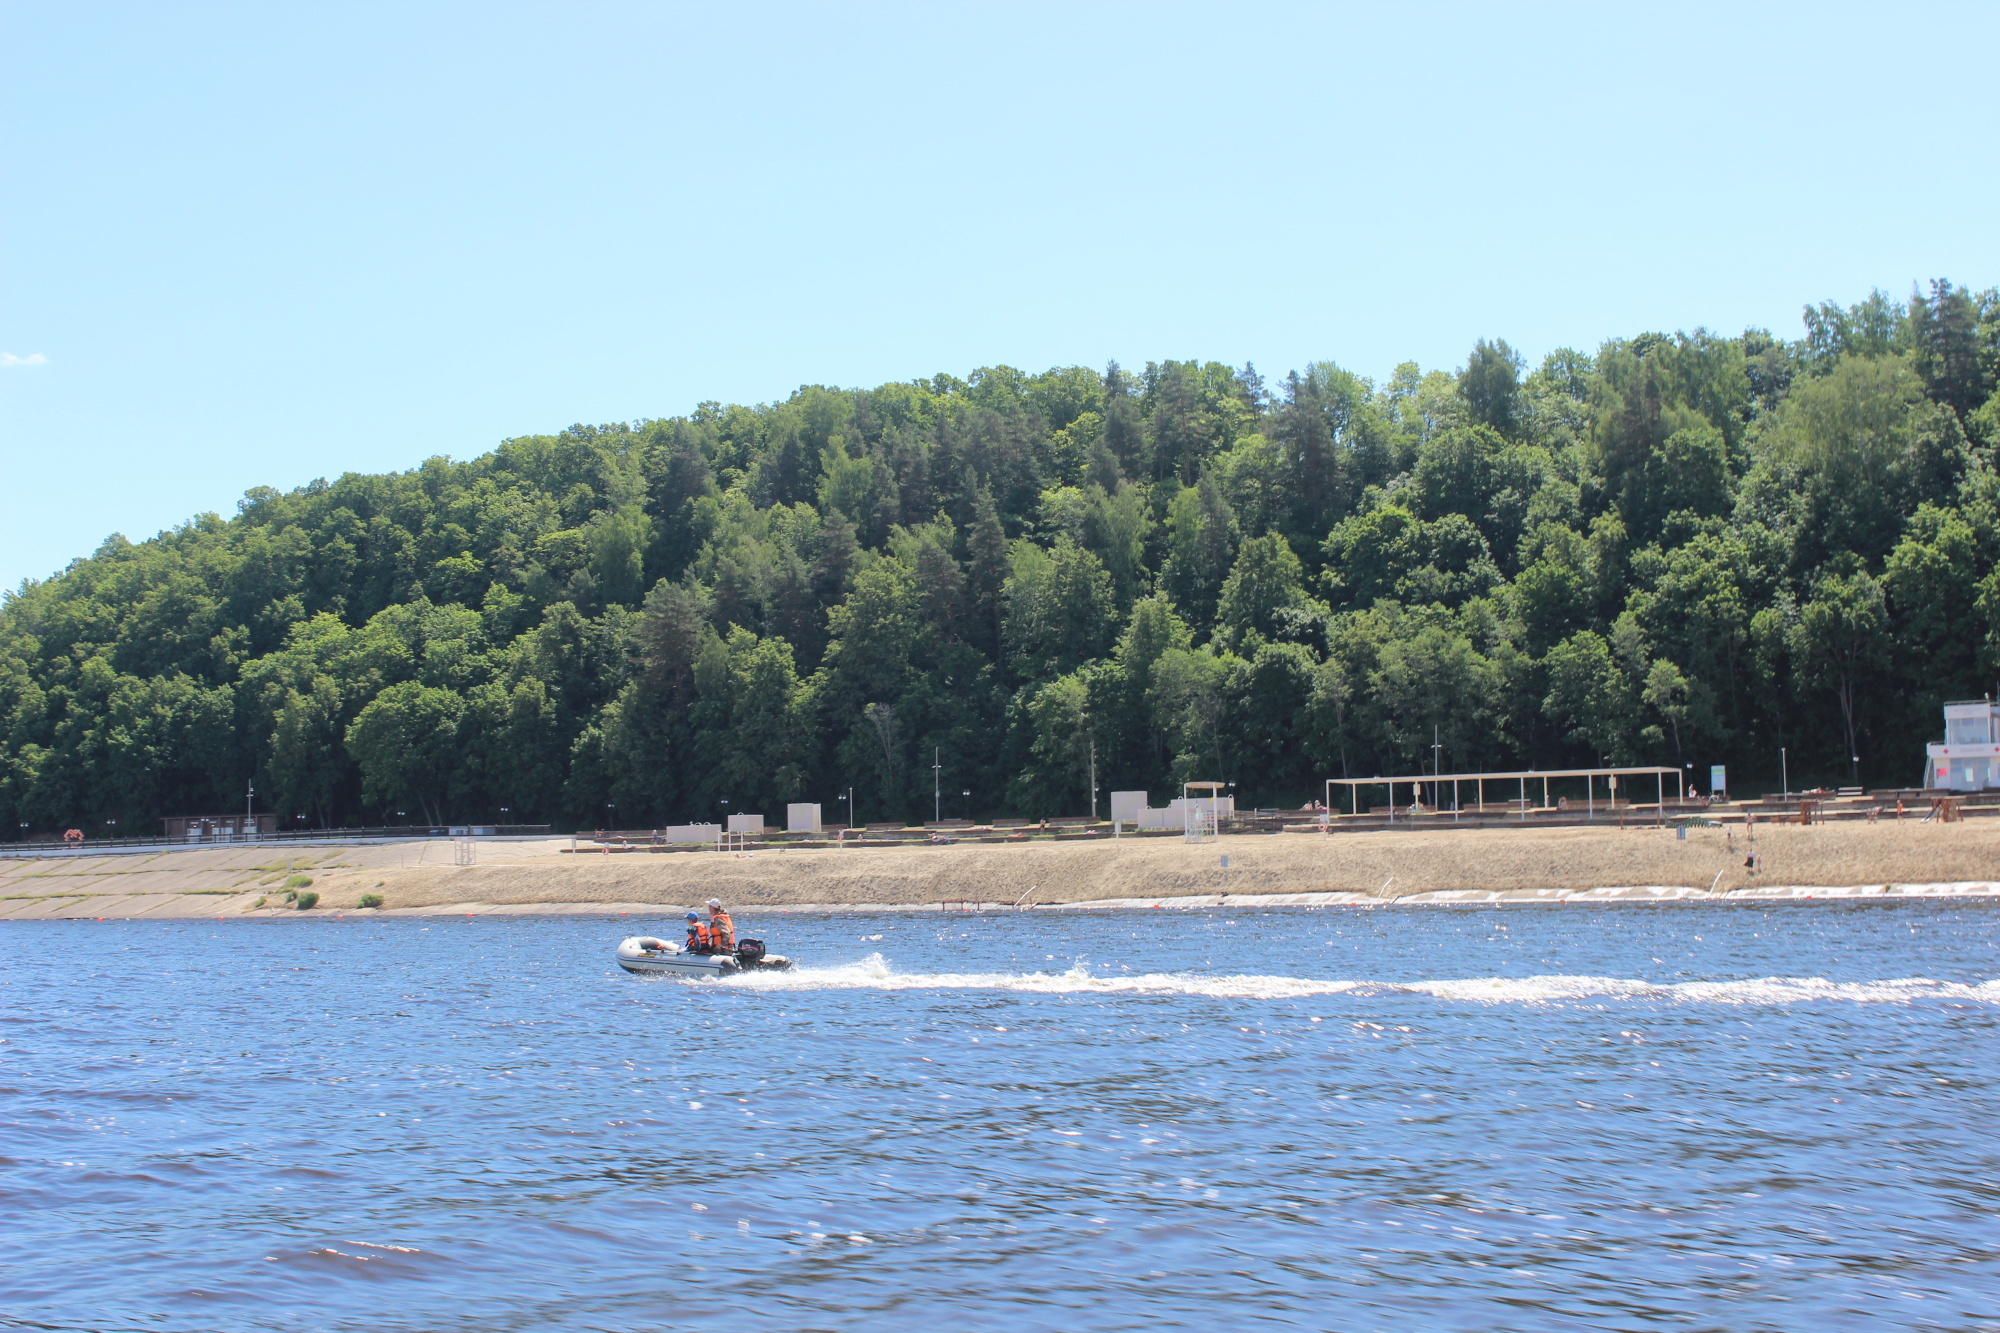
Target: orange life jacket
point(700, 938)
point(722, 931)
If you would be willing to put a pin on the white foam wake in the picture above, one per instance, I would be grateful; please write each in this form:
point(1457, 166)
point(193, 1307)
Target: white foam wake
point(873, 973)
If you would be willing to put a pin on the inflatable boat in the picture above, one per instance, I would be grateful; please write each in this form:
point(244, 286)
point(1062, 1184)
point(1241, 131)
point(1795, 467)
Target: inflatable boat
point(642, 954)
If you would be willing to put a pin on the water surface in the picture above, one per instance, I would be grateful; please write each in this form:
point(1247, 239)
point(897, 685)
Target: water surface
point(1686, 1117)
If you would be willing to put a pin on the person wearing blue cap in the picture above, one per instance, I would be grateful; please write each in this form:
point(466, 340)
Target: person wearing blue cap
point(700, 939)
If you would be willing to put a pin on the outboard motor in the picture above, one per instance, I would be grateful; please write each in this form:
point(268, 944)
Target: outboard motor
point(749, 953)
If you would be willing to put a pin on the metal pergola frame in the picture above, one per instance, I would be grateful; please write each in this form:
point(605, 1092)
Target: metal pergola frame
point(1417, 781)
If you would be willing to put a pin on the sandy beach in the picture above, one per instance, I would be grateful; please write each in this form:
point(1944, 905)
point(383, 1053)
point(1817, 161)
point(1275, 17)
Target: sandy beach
point(1426, 866)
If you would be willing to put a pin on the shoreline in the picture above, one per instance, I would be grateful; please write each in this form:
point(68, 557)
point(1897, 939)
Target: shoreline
point(1887, 862)
point(196, 907)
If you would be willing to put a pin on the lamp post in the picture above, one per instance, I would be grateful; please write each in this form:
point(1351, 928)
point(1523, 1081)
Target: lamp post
point(967, 794)
point(1784, 773)
point(937, 770)
point(1437, 769)
point(611, 816)
point(1093, 779)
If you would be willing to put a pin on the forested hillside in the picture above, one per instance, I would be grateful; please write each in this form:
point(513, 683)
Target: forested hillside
point(1676, 549)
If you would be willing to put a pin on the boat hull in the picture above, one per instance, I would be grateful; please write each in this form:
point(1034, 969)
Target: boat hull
point(643, 955)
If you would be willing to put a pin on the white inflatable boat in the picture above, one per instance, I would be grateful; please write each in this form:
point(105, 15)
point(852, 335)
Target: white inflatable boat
point(643, 954)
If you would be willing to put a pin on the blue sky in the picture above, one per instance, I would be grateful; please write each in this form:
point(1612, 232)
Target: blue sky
point(252, 245)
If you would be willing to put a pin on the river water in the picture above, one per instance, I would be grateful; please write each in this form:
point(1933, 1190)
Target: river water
point(1680, 1116)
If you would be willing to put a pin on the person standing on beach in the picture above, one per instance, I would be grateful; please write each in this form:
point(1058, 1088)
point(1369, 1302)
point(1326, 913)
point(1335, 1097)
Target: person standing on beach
point(721, 930)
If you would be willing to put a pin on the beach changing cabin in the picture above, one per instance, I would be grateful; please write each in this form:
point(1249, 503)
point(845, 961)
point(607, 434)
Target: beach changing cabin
point(1969, 758)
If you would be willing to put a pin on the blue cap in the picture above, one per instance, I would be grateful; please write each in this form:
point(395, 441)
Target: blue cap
point(694, 916)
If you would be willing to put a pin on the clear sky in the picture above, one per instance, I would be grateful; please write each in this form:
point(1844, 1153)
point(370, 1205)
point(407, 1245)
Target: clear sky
point(252, 245)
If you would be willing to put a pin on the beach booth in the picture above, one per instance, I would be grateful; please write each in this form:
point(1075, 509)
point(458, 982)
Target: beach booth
point(1969, 757)
point(1201, 810)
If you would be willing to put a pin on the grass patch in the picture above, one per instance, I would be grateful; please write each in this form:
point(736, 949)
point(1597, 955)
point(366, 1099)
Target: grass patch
point(299, 882)
point(307, 901)
point(371, 900)
point(259, 903)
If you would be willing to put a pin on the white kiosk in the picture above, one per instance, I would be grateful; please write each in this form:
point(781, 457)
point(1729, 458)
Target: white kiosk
point(1969, 758)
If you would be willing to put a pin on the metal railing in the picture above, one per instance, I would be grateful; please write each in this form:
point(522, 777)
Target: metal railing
point(385, 833)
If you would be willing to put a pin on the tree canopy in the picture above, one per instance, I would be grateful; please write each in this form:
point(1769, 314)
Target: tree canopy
point(1676, 548)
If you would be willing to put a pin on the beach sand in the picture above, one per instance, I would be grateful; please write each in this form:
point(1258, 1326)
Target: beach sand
point(1422, 866)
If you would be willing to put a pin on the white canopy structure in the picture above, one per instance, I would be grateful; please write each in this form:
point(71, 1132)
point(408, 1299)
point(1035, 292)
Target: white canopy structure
point(1522, 781)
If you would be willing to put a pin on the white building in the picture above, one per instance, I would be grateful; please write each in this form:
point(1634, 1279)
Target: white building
point(1969, 759)
point(1130, 807)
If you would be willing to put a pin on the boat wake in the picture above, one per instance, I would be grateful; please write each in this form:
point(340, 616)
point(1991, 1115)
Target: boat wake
point(873, 973)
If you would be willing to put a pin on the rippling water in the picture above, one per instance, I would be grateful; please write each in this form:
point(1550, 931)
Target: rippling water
point(1702, 1117)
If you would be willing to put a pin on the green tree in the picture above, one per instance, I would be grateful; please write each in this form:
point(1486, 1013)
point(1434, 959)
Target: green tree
point(1061, 610)
point(1490, 384)
point(1274, 692)
point(618, 541)
point(1201, 547)
point(1944, 342)
point(1455, 472)
point(1666, 692)
point(405, 742)
point(307, 762)
point(1190, 700)
point(1843, 643)
point(1389, 552)
point(1852, 451)
point(1590, 696)
point(1432, 686)
point(1266, 582)
point(1064, 732)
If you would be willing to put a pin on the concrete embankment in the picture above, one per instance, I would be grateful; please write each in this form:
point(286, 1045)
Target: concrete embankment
point(1442, 865)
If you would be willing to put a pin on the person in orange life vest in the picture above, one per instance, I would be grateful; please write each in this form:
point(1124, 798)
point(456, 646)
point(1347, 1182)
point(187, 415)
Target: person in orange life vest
point(700, 938)
point(722, 931)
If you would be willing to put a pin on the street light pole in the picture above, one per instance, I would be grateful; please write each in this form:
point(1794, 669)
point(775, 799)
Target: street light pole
point(1093, 779)
point(1784, 773)
point(937, 797)
point(1437, 769)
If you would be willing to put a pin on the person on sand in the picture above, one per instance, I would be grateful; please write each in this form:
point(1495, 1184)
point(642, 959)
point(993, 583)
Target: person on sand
point(700, 939)
point(721, 930)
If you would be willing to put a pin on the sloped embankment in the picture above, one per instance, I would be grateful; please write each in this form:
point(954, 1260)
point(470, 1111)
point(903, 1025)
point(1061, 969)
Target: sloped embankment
point(1390, 865)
